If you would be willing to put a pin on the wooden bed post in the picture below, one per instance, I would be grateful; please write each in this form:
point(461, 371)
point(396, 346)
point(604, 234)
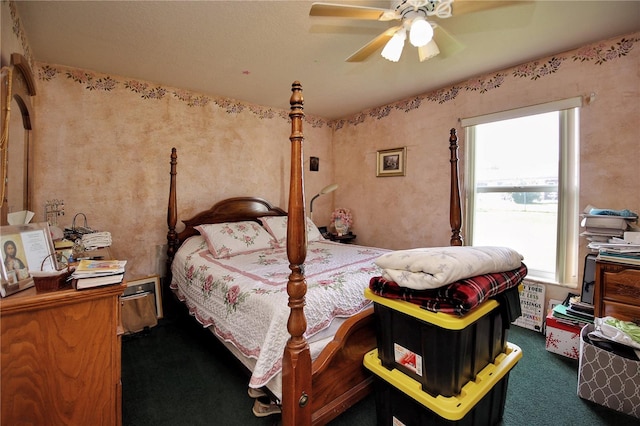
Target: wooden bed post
point(296, 362)
point(455, 212)
point(172, 216)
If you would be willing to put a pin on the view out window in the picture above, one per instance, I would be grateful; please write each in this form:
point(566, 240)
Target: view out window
point(521, 186)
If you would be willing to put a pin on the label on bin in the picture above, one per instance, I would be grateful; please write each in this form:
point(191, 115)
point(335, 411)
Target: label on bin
point(397, 422)
point(410, 360)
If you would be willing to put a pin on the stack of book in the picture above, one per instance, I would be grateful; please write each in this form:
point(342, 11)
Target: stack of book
point(621, 253)
point(574, 311)
point(96, 273)
point(602, 228)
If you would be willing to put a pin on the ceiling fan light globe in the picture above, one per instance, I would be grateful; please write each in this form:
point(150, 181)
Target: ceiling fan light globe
point(393, 49)
point(421, 32)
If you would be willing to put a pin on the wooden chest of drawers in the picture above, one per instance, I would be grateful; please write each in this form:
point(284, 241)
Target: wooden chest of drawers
point(60, 357)
point(617, 291)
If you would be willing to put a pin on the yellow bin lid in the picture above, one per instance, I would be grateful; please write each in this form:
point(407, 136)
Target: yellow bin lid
point(448, 321)
point(453, 407)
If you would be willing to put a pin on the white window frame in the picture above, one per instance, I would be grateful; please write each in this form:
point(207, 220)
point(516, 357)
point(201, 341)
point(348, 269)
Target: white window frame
point(568, 183)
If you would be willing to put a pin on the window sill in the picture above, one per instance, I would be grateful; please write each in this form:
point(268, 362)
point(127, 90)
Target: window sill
point(549, 282)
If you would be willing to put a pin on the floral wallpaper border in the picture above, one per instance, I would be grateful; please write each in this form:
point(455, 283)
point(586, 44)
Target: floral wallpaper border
point(18, 31)
point(100, 82)
point(597, 54)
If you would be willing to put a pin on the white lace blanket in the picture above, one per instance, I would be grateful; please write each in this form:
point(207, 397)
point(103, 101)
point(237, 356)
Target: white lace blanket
point(244, 298)
point(434, 267)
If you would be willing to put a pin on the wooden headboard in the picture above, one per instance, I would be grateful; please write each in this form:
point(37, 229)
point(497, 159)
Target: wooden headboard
point(236, 209)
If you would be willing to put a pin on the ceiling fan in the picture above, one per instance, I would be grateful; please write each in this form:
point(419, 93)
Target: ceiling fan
point(418, 18)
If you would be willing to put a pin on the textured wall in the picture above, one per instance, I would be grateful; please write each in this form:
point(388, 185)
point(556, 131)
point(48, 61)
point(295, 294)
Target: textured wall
point(104, 142)
point(103, 145)
point(412, 211)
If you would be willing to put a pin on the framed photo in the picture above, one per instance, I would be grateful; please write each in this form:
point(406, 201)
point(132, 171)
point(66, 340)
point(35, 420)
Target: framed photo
point(391, 162)
point(314, 164)
point(150, 284)
point(24, 248)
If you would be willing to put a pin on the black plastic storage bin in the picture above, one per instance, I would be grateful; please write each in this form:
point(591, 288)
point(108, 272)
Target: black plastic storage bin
point(441, 351)
point(401, 401)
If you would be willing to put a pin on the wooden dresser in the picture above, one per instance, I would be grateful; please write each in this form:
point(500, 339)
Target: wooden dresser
point(617, 291)
point(60, 355)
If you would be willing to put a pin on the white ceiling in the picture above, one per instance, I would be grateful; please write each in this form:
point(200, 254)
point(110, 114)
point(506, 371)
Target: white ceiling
point(253, 50)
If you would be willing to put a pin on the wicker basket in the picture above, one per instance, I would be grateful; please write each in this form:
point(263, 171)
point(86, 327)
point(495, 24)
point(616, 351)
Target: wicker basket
point(53, 282)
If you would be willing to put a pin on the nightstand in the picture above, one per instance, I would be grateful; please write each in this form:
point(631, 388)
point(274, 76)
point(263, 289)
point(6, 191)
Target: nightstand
point(345, 239)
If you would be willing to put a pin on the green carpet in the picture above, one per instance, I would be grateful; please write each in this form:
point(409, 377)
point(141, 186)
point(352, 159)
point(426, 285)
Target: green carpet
point(178, 374)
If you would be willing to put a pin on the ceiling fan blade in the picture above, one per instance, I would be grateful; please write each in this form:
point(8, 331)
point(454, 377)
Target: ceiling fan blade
point(448, 44)
point(375, 44)
point(353, 12)
point(462, 7)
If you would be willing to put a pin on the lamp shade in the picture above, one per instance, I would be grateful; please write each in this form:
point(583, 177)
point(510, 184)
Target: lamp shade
point(329, 188)
point(421, 32)
point(393, 49)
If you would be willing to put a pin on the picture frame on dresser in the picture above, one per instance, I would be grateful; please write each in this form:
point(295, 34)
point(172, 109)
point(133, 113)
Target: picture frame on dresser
point(25, 248)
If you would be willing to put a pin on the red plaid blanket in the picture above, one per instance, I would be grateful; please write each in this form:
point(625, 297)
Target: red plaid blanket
point(456, 298)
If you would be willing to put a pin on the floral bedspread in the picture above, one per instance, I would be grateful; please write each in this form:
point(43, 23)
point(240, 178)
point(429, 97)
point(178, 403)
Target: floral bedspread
point(244, 298)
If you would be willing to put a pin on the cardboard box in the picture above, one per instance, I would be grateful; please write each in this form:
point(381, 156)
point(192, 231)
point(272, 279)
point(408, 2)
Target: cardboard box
point(608, 379)
point(563, 337)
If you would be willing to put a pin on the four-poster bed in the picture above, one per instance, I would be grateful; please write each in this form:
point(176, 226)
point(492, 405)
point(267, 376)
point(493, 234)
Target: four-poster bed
point(317, 383)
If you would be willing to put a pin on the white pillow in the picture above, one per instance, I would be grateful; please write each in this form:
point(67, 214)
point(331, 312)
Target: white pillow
point(277, 226)
point(232, 238)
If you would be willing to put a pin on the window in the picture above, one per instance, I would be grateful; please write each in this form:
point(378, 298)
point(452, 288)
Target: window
point(521, 186)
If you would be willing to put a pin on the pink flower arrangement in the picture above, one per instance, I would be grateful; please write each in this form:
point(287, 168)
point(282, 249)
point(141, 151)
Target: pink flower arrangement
point(344, 215)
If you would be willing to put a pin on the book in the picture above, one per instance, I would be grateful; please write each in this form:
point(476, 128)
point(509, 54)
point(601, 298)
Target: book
point(91, 282)
point(586, 308)
point(581, 310)
point(615, 247)
point(560, 311)
point(619, 257)
point(90, 266)
point(602, 221)
point(606, 232)
point(87, 268)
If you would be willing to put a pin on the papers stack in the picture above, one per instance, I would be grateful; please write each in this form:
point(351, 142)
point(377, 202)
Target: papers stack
point(96, 240)
point(95, 273)
point(617, 251)
point(601, 225)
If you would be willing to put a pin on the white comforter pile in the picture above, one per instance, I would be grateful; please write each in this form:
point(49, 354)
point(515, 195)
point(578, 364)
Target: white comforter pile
point(429, 268)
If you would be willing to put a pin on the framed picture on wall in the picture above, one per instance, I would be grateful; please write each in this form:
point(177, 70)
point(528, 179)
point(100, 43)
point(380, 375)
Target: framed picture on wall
point(391, 162)
point(25, 248)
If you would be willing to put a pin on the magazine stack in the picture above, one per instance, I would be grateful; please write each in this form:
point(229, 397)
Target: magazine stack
point(613, 234)
point(96, 273)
